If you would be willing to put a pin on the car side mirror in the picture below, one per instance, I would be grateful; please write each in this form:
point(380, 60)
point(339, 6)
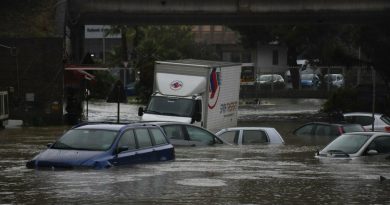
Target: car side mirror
point(49, 145)
point(372, 152)
point(140, 111)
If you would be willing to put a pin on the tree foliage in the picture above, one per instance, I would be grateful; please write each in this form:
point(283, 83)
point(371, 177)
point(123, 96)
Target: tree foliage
point(27, 18)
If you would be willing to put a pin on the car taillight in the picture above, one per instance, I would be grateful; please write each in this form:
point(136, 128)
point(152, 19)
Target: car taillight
point(387, 128)
point(341, 130)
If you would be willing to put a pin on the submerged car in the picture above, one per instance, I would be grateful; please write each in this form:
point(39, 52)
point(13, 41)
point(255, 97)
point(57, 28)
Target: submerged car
point(104, 145)
point(183, 134)
point(381, 122)
point(250, 135)
point(358, 144)
point(323, 132)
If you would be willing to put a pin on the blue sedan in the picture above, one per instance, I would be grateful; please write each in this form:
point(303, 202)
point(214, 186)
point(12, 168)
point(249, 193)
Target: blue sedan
point(105, 145)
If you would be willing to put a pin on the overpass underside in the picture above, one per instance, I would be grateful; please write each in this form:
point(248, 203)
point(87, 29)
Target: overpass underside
point(228, 12)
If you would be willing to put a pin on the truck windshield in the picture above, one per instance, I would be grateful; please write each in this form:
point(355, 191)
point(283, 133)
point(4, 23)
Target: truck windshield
point(170, 106)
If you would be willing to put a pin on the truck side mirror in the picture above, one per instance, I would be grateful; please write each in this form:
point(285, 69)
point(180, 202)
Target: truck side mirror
point(197, 117)
point(140, 111)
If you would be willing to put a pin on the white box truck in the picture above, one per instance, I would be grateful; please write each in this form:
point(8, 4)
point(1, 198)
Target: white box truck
point(205, 93)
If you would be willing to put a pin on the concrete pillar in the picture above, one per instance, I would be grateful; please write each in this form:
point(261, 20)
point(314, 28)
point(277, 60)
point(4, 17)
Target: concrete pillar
point(60, 10)
point(77, 43)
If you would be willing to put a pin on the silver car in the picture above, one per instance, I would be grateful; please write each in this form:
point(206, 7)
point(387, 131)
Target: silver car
point(381, 122)
point(250, 135)
point(358, 144)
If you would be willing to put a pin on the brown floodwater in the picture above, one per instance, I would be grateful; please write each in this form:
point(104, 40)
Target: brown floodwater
point(272, 174)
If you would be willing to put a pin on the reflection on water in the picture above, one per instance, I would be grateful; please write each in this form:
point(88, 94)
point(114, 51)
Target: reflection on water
point(214, 175)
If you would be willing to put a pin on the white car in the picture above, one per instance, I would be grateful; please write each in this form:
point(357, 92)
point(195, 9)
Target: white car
point(358, 144)
point(336, 80)
point(250, 135)
point(381, 121)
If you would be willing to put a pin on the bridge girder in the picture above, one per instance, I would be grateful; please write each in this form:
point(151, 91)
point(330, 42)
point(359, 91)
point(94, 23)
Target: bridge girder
point(228, 12)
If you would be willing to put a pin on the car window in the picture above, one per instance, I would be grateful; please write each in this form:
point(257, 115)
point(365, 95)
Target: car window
point(353, 128)
point(200, 135)
point(305, 130)
point(230, 136)
point(128, 140)
point(254, 137)
point(143, 138)
point(385, 119)
point(322, 130)
point(380, 144)
point(335, 131)
point(364, 120)
point(158, 136)
point(174, 131)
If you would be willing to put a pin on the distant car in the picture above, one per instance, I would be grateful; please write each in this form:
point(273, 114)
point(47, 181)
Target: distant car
point(250, 135)
point(182, 134)
point(381, 121)
point(105, 145)
point(310, 81)
point(269, 80)
point(358, 144)
point(334, 80)
point(326, 130)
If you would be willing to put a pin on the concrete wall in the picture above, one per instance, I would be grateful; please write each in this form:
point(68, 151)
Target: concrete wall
point(264, 59)
point(33, 72)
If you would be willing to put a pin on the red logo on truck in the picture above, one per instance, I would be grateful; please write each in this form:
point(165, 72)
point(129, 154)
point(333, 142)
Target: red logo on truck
point(176, 85)
point(215, 86)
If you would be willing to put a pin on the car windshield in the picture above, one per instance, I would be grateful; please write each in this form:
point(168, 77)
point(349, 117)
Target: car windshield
point(86, 139)
point(265, 78)
point(307, 76)
point(170, 106)
point(348, 143)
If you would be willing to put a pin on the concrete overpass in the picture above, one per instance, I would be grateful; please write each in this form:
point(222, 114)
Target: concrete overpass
point(77, 13)
point(227, 12)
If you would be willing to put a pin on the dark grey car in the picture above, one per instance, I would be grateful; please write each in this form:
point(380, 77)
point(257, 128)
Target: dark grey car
point(182, 134)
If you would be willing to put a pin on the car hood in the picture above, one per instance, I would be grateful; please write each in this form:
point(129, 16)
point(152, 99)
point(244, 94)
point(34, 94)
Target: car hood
point(64, 158)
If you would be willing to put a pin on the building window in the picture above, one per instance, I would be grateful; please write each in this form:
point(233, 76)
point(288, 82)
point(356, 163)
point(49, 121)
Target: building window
point(195, 28)
point(218, 28)
point(206, 28)
point(275, 57)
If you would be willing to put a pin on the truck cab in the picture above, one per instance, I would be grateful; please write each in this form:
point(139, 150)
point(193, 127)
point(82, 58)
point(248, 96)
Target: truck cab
point(173, 108)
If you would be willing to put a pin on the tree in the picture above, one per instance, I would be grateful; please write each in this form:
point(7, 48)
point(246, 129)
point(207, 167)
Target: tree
point(20, 18)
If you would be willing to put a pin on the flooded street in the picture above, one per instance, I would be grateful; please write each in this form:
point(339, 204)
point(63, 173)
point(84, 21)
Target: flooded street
point(287, 174)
